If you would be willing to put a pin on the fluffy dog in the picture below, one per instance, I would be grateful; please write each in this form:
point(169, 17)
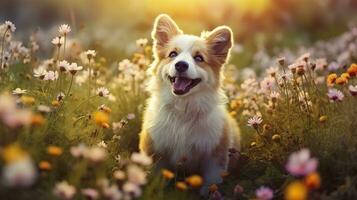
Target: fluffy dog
point(186, 115)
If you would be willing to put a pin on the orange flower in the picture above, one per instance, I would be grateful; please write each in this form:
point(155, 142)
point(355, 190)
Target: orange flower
point(37, 120)
point(100, 118)
point(352, 70)
point(12, 153)
point(346, 76)
point(323, 118)
point(27, 100)
point(331, 79)
point(45, 166)
point(234, 104)
point(105, 125)
point(313, 181)
point(194, 180)
point(341, 81)
point(181, 185)
point(54, 150)
point(167, 174)
point(233, 113)
point(213, 188)
point(55, 103)
point(296, 191)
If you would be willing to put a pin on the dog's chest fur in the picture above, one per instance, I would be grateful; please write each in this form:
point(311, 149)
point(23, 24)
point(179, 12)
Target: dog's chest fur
point(188, 128)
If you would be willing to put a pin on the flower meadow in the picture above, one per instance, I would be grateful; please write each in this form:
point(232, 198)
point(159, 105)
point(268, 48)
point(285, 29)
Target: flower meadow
point(69, 124)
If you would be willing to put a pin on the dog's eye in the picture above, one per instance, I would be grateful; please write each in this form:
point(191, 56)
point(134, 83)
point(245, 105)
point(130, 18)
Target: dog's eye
point(198, 58)
point(173, 54)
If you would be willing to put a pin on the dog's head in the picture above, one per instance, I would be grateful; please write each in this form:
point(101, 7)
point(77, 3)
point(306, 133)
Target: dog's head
point(187, 64)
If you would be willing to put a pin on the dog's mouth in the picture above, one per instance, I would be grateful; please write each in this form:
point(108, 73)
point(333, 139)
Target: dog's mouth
point(181, 85)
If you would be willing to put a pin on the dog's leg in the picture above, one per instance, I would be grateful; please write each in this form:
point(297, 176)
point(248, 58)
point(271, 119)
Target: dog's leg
point(213, 169)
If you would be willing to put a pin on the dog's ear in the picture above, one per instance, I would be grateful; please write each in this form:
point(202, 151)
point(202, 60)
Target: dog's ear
point(220, 42)
point(164, 29)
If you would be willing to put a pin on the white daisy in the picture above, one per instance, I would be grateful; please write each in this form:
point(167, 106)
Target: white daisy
point(141, 42)
point(40, 72)
point(63, 190)
point(10, 26)
point(63, 65)
point(73, 68)
point(353, 90)
point(64, 29)
point(90, 54)
point(102, 92)
point(335, 95)
point(58, 41)
point(51, 76)
point(254, 121)
point(18, 91)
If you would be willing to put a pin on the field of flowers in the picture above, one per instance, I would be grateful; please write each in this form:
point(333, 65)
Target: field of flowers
point(69, 124)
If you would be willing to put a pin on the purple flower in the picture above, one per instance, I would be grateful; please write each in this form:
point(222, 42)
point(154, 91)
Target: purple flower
point(300, 163)
point(335, 95)
point(264, 193)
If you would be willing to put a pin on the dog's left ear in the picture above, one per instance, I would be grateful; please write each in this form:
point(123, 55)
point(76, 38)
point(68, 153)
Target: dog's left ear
point(164, 30)
point(220, 42)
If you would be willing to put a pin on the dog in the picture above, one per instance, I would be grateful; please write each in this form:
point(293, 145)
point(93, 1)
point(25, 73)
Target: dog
point(186, 116)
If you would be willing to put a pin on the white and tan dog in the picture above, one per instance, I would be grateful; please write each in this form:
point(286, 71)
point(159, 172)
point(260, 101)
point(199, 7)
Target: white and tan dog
point(186, 115)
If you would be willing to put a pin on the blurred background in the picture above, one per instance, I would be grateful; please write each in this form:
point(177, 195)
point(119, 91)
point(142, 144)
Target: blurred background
point(112, 26)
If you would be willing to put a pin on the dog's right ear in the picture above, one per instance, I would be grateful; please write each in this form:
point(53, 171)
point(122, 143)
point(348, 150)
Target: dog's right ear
point(164, 29)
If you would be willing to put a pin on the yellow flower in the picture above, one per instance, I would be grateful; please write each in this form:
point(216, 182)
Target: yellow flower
point(37, 120)
point(341, 80)
point(352, 70)
point(105, 125)
point(181, 185)
point(12, 153)
point(54, 150)
point(100, 118)
point(194, 180)
point(296, 191)
point(276, 138)
point(234, 104)
point(233, 113)
point(45, 166)
point(323, 118)
point(346, 75)
point(55, 103)
point(167, 174)
point(27, 100)
point(313, 181)
point(331, 79)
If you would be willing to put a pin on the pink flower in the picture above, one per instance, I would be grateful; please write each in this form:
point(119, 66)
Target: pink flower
point(335, 95)
point(264, 193)
point(90, 193)
point(300, 163)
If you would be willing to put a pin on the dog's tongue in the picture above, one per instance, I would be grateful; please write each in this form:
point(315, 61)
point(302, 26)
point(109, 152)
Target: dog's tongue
point(181, 84)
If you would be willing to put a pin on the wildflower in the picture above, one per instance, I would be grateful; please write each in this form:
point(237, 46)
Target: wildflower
point(216, 195)
point(136, 175)
point(305, 57)
point(100, 118)
point(40, 72)
point(167, 174)
point(281, 61)
point(63, 65)
point(51, 76)
point(335, 95)
point(238, 189)
point(64, 29)
point(27, 100)
point(90, 54)
point(58, 41)
point(54, 150)
point(90, 193)
point(119, 175)
point(130, 116)
point(95, 154)
point(194, 180)
point(105, 109)
point(102, 92)
point(213, 188)
point(112, 192)
point(352, 70)
point(346, 76)
point(141, 158)
point(274, 96)
point(264, 193)
point(300, 163)
point(43, 109)
point(272, 71)
point(102, 144)
point(73, 68)
point(64, 191)
point(353, 90)
point(323, 118)
point(10, 26)
point(13, 153)
point(331, 79)
point(267, 83)
point(19, 173)
point(18, 91)
point(296, 191)
point(312, 181)
point(37, 120)
point(341, 80)
point(60, 96)
point(44, 166)
point(78, 151)
point(141, 42)
point(181, 185)
point(254, 121)
point(132, 189)
point(55, 103)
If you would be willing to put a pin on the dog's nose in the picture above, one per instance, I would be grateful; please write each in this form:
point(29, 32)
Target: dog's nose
point(181, 66)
